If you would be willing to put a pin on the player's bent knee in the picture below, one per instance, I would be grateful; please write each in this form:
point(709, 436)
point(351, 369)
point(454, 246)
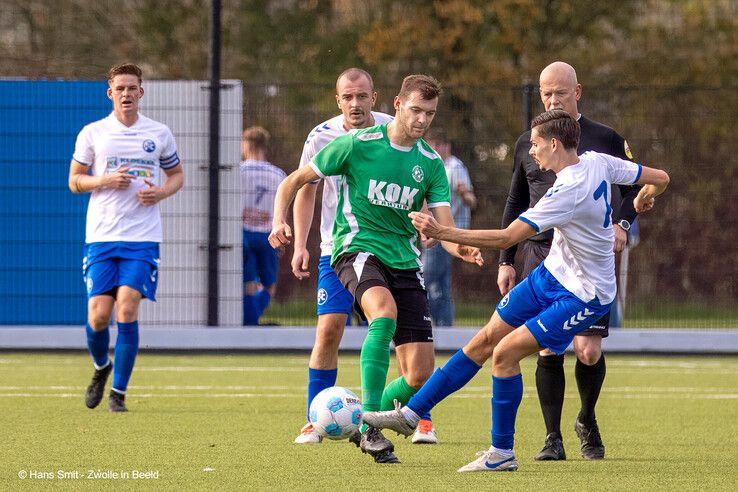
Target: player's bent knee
point(503, 362)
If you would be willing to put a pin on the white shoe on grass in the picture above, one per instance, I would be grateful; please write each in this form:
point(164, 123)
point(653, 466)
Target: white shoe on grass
point(491, 460)
point(308, 435)
point(425, 433)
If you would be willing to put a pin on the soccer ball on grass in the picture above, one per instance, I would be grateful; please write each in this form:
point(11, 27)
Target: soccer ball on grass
point(336, 413)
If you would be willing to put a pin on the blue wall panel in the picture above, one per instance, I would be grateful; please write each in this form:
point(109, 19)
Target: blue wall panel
point(41, 221)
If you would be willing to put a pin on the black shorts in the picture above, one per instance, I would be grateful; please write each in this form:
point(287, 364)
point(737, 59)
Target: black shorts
point(533, 253)
point(359, 272)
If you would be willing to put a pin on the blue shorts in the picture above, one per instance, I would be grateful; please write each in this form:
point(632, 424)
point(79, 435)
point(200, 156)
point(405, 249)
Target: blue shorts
point(552, 314)
point(332, 296)
point(260, 260)
point(107, 266)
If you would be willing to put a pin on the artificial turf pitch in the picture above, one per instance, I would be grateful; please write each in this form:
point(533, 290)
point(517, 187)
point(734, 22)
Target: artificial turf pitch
point(220, 421)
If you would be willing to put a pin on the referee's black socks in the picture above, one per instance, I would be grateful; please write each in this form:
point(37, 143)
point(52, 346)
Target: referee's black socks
point(589, 381)
point(551, 383)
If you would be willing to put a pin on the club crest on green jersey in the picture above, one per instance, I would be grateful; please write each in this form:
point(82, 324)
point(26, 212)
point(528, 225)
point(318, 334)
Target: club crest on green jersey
point(391, 195)
point(418, 174)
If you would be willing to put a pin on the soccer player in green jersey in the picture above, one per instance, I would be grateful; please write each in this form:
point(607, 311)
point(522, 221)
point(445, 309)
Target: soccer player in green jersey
point(387, 171)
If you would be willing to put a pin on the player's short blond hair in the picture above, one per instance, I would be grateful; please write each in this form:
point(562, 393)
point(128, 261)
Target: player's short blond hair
point(257, 137)
point(354, 74)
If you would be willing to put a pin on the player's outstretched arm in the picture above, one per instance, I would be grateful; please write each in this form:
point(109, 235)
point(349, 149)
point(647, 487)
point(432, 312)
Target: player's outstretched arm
point(489, 238)
point(281, 234)
point(302, 215)
point(655, 181)
point(466, 253)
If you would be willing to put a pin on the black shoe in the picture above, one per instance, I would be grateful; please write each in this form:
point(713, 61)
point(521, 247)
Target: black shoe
point(553, 449)
point(373, 442)
point(355, 438)
point(94, 393)
point(592, 447)
point(116, 402)
point(386, 457)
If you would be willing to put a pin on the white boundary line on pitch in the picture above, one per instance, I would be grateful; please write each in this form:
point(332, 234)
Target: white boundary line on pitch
point(530, 394)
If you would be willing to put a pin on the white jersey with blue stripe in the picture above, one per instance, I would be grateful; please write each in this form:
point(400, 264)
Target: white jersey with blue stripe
point(318, 138)
point(578, 207)
point(145, 148)
point(259, 183)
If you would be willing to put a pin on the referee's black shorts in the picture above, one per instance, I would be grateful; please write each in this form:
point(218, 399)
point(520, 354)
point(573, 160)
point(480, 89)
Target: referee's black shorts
point(359, 272)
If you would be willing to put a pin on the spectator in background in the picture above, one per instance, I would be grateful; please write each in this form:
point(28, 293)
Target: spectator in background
point(259, 182)
point(436, 261)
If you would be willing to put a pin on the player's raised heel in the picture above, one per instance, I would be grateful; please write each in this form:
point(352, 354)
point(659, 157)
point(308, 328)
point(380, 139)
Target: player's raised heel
point(308, 435)
point(94, 393)
point(391, 419)
point(491, 461)
point(116, 402)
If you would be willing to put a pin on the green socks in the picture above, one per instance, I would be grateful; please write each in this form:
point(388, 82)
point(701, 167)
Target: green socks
point(397, 390)
point(375, 356)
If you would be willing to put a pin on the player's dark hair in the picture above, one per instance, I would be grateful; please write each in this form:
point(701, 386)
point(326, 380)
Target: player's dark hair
point(428, 87)
point(257, 137)
point(354, 74)
point(560, 125)
point(125, 69)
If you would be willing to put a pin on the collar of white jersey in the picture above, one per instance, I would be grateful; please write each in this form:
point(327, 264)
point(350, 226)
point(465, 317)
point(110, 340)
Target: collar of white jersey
point(138, 121)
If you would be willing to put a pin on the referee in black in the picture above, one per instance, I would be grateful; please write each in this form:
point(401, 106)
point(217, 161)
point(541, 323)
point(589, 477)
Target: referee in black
point(560, 90)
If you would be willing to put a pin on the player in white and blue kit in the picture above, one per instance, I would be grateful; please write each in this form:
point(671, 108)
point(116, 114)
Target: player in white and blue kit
point(259, 182)
point(563, 296)
point(355, 97)
point(119, 159)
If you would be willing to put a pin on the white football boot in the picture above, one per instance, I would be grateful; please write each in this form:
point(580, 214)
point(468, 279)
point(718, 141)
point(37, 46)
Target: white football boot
point(308, 435)
point(491, 460)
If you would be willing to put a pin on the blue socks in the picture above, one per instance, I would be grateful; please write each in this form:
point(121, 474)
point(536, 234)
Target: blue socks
point(98, 343)
point(262, 300)
point(458, 371)
point(506, 396)
point(126, 348)
point(254, 306)
point(250, 312)
point(318, 380)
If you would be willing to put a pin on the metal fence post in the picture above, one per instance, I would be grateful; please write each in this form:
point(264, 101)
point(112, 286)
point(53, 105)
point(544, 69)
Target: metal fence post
point(214, 168)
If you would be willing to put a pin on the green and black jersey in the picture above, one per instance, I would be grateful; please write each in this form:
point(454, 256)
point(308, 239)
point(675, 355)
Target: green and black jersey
point(381, 183)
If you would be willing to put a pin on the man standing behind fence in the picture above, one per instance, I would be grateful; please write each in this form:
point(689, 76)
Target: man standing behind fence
point(259, 182)
point(560, 90)
point(437, 263)
point(118, 159)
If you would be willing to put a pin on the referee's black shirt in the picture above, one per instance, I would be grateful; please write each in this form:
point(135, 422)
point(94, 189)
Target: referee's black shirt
point(529, 183)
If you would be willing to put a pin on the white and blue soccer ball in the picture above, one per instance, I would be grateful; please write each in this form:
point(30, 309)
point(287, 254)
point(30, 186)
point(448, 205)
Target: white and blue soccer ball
point(336, 412)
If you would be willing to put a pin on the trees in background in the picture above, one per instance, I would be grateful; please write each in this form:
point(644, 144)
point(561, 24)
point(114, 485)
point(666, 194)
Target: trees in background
point(663, 72)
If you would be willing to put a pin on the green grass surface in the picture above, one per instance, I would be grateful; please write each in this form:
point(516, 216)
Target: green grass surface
point(226, 422)
point(302, 313)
